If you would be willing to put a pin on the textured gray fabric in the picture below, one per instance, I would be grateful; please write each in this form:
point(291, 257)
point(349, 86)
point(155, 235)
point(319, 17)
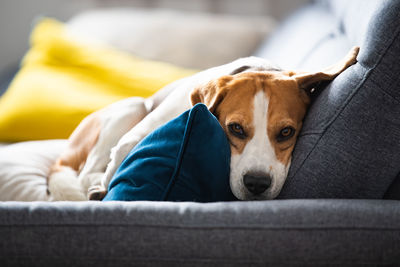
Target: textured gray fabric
point(394, 190)
point(277, 233)
point(349, 146)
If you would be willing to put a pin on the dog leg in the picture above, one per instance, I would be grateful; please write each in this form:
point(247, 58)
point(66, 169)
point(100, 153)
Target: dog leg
point(84, 162)
point(116, 121)
point(166, 111)
point(63, 185)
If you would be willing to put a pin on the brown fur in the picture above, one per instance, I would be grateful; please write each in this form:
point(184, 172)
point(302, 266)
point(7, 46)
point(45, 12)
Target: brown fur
point(287, 106)
point(80, 144)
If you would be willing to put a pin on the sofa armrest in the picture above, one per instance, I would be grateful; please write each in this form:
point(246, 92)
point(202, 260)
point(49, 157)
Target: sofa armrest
point(279, 232)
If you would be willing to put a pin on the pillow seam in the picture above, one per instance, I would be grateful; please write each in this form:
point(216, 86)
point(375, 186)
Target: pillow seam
point(181, 152)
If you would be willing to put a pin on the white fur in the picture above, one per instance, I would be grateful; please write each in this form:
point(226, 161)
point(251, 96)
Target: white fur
point(116, 120)
point(258, 156)
point(118, 137)
point(65, 186)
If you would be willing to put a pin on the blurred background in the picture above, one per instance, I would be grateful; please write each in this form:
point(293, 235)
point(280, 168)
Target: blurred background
point(17, 16)
point(91, 53)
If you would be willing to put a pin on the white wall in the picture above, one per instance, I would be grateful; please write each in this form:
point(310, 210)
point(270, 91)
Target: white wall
point(16, 16)
point(16, 19)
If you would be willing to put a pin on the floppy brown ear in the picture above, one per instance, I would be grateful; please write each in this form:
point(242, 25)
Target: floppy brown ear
point(212, 93)
point(308, 80)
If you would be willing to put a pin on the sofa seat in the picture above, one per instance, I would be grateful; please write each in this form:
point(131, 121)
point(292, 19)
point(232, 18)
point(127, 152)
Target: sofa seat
point(259, 233)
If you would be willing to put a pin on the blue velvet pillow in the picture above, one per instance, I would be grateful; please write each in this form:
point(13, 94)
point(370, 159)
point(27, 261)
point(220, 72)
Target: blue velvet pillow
point(187, 159)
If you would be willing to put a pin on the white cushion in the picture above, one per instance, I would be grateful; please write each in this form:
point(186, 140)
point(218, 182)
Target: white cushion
point(194, 40)
point(24, 168)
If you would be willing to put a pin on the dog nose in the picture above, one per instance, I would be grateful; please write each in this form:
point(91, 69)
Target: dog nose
point(256, 183)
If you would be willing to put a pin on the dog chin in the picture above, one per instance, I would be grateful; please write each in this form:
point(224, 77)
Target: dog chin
point(268, 195)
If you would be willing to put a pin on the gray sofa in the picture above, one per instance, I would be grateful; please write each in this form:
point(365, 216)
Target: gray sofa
point(347, 159)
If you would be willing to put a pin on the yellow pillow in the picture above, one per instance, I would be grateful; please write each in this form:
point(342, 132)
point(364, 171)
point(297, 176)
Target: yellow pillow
point(64, 77)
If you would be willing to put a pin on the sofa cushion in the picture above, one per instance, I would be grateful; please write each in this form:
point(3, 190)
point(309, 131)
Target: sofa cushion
point(188, 39)
point(349, 147)
point(303, 31)
point(24, 168)
point(64, 77)
point(187, 159)
point(319, 34)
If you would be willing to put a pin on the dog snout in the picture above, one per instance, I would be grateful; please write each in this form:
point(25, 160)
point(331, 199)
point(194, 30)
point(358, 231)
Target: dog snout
point(257, 183)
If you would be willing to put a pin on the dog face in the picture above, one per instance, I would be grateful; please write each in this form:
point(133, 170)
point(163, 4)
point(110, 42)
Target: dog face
point(261, 113)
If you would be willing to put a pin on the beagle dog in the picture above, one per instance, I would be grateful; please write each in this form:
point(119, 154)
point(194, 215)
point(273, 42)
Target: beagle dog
point(259, 106)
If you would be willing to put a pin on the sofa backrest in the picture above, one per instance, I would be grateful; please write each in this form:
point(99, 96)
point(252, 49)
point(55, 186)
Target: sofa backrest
point(349, 146)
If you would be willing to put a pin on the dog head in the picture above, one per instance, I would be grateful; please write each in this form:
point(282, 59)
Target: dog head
point(261, 113)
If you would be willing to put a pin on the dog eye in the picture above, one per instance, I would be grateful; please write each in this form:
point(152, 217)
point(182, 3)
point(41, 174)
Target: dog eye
point(285, 134)
point(237, 130)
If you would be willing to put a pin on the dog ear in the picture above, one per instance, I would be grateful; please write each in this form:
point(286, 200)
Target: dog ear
point(308, 80)
point(212, 93)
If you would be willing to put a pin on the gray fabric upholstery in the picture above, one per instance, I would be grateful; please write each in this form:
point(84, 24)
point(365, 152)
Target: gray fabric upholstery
point(268, 233)
point(393, 191)
point(349, 146)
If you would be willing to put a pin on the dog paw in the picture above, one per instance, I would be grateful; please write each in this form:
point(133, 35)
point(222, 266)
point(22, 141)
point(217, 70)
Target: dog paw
point(96, 192)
